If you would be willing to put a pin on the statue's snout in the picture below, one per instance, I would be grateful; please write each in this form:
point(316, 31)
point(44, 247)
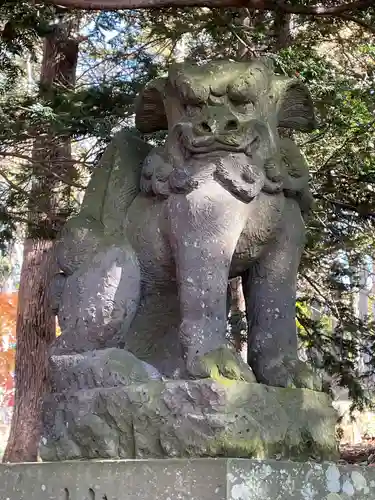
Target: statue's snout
point(217, 123)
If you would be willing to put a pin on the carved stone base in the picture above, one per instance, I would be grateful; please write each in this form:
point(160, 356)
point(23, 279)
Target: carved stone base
point(189, 479)
point(201, 418)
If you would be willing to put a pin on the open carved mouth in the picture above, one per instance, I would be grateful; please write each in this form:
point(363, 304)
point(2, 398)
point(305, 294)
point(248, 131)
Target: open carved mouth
point(201, 147)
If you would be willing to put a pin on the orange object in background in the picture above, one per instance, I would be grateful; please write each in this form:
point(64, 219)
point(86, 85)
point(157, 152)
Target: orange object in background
point(8, 319)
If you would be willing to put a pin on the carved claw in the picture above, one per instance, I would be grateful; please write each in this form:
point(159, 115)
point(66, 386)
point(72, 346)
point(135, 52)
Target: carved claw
point(222, 364)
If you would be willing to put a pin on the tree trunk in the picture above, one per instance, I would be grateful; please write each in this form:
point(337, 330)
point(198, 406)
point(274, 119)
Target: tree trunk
point(48, 209)
point(282, 30)
point(35, 331)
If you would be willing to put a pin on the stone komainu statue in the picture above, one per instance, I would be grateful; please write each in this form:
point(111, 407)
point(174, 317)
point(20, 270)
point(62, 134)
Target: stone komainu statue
point(145, 264)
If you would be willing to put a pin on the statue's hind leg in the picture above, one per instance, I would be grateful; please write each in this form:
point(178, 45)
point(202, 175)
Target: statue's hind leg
point(98, 300)
point(270, 293)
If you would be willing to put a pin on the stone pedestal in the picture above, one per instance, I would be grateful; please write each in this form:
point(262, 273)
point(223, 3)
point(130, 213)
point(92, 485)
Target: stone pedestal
point(196, 418)
point(195, 479)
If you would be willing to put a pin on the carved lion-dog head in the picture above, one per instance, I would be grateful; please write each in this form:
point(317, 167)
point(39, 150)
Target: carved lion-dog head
point(229, 110)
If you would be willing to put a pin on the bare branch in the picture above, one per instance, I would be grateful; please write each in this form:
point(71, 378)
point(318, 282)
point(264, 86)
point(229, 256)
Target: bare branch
point(149, 4)
point(334, 10)
point(360, 22)
point(273, 5)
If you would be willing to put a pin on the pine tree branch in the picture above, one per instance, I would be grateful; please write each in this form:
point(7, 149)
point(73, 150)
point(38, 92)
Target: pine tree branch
point(46, 166)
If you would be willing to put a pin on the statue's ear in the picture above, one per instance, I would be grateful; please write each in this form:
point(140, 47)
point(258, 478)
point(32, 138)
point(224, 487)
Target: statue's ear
point(294, 105)
point(150, 114)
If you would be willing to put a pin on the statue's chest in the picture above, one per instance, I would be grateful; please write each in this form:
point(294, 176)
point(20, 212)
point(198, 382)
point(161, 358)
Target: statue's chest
point(265, 215)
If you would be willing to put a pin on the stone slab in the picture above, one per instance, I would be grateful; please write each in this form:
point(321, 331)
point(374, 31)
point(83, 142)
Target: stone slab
point(273, 480)
point(182, 419)
point(186, 479)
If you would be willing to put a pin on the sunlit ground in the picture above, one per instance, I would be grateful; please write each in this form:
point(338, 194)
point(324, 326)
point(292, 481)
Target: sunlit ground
point(5, 418)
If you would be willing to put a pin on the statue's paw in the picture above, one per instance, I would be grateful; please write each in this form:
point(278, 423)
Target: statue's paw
point(221, 364)
point(301, 375)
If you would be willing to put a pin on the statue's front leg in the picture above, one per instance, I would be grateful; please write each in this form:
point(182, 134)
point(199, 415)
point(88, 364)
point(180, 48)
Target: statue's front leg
point(270, 293)
point(204, 228)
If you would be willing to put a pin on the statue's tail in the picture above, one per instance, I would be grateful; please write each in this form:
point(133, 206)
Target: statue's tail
point(113, 186)
point(99, 269)
point(115, 181)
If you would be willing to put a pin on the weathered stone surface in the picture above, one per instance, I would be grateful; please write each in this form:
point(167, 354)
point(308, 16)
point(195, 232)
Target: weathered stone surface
point(193, 479)
point(115, 480)
point(145, 264)
point(103, 368)
point(249, 480)
point(189, 419)
point(145, 268)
